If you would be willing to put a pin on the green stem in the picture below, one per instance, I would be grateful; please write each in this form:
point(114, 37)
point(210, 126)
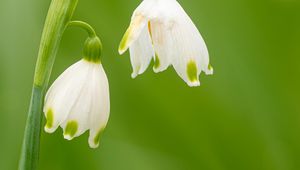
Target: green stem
point(59, 15)
point(85, 26)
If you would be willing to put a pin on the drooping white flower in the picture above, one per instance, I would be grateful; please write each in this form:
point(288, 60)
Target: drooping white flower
point(161, 29)
point(78, 100)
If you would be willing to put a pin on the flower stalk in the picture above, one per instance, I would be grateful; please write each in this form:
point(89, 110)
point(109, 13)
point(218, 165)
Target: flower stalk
point(58, 17)
point(93, 47)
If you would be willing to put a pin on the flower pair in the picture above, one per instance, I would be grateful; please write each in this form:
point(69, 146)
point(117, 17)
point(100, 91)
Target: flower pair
point(161, 30)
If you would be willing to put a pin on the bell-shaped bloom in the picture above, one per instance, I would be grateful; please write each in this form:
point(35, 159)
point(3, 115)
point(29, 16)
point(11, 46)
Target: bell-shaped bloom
point(161, 29)
point(79, 101)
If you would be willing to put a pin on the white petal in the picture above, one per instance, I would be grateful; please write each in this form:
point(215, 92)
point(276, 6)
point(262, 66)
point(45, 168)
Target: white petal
point(141, 15)
point(190, 52)
point(100, 107)
point(141, 53)
point(137, 24)
point(77, 121)
point(162, 42)
point(63, 93)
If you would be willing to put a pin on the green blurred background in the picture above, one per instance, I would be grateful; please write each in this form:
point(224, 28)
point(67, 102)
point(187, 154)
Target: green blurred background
point(244, 117)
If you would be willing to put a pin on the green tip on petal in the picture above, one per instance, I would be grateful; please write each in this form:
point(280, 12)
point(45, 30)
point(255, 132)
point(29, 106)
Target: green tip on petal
point(71, 130)
point(97, 137)
point(156, 62)
point(123, 44)
point(50, 119)
point(209, 70)
point(192, 71)
point(210, 67)
point(135, 72)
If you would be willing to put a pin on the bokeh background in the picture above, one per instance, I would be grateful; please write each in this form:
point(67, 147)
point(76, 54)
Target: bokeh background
point(244, 117)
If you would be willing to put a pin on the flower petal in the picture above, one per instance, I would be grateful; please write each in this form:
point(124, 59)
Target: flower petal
point(141, 53)
point(100, 107)
point(162, 41)
point(137, 24)
point(190, 51)
point(62, 95)
point(77, 121)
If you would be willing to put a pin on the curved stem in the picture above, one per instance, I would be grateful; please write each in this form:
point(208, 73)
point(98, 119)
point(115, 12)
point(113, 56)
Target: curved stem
point(93, 47)
point(85, 26)
point(59, 15)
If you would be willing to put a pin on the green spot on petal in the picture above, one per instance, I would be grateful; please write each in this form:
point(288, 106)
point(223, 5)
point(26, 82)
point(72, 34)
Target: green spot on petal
point(192, 71)
point(123, 43)
point(138, 67)
point(50, 118)
point(97, 137)
point(71, 128)
point(156, 62)
point(210, 67)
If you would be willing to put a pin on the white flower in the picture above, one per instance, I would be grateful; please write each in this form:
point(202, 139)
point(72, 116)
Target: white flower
point(79, 101)
point(161, 29)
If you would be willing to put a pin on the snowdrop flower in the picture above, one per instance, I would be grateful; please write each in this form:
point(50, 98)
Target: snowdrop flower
point(161, 29)
point(79, 99)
